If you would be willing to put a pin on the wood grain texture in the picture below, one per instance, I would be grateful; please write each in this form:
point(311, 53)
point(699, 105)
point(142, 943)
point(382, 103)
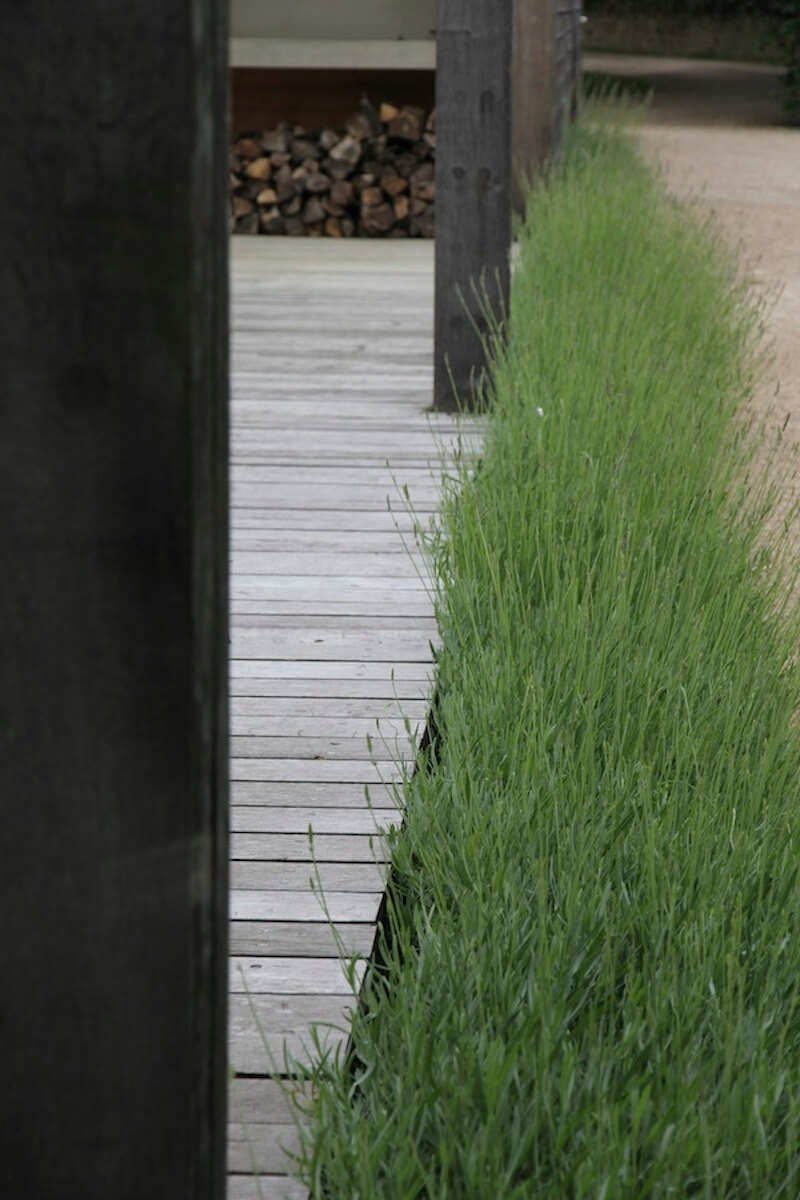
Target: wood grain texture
point(262, 1148)
point(304, 905)
point(265, 1187)
point(322, 707)
point(265, 1101)
point(279, 821)
point(473, 189)
point(384, 520)
point(534, 92)
point(348, 689)
point(407, 609)
point(387, 646)
point(292, 976)
point(382, 749)
point(343, 563)
point(347, 622)
point(113, 492)
point(340, 730)
point(286, 1049)
point(332, 632)
point(312, 541)
point(278, 876)
point(277, 668)
point(313, 595)
point(344, 797)
point(302, 847)
point(300, 939)
point(315, 769)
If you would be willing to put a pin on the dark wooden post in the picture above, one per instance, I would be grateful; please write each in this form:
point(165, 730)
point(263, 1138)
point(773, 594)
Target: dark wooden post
point(547, 66)
point(473, 189)
point(113, 497)
point(532, 126)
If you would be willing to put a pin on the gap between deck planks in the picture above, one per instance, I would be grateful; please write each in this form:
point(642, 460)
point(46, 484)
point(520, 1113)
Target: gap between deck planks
point(331, 641)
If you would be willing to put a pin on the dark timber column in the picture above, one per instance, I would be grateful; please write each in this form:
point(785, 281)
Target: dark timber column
point(113, 494)
point(533, 122)
point(473, 187)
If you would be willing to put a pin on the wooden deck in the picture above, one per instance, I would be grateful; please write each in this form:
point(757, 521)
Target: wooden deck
point(331, 637)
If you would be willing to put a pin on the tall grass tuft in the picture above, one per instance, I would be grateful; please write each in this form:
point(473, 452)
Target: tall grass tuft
point(591, 976)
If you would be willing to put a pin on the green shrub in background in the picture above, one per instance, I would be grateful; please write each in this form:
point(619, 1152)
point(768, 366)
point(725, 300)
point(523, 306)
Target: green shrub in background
point(785, 33)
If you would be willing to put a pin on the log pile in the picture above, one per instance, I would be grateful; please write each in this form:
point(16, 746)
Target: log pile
point(374, 178)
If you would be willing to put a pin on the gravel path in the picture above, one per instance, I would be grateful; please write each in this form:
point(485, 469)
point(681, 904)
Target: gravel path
point(716, 129)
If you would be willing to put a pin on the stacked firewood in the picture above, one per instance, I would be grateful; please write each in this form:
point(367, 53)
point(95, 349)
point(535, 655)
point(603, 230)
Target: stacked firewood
point(375, 178)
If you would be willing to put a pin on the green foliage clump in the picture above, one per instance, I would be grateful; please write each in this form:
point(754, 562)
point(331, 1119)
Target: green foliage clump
point(785, 33)
point(590, 974)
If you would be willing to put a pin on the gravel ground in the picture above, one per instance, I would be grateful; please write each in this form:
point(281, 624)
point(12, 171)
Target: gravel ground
point(716, 129)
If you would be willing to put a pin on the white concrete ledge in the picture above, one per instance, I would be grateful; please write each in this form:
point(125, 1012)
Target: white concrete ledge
point(363, 55)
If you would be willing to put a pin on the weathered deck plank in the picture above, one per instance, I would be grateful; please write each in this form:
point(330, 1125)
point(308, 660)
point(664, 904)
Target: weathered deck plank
point(285, 976)
point(306, 939)
point(314, 770)
point(332, 625)
point(298, 847)
point(304, 905)
point(264, 1187)
point(284, 794)
point(281, 876)
point(338, 820)
point(322, 706)
point(276, 668)
point(381, 749)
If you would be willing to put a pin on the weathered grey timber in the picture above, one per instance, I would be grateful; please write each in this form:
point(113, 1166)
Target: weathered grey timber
point(113, 494)
point(473, 189)
point(331, 637)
